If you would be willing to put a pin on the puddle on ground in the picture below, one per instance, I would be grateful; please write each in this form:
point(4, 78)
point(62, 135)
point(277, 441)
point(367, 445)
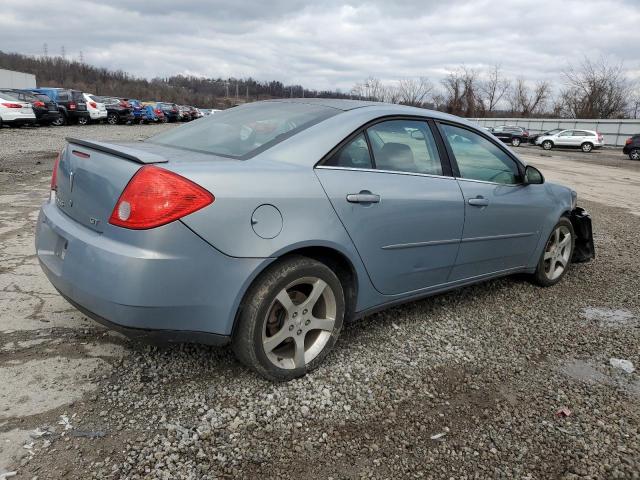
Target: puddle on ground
point(609, 317)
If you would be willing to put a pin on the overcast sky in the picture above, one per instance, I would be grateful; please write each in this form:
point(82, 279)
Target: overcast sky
point(326, 44)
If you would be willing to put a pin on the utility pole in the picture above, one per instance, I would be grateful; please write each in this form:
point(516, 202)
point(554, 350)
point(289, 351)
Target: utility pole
point(45, 50)
point(81, 57)
point(236, 90)
point(247, 92)
point(63, 52)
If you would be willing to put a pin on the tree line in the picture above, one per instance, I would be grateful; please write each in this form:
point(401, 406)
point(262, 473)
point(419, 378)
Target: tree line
point(184, 90)
point(591, 89)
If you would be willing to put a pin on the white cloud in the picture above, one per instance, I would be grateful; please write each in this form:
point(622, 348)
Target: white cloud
point(327, 43)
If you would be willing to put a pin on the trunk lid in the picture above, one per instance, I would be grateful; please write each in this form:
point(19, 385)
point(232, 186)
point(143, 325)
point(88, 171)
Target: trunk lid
point(92, 175)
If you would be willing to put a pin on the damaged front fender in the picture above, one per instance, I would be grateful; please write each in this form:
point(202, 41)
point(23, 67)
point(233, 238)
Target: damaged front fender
point(584, 249)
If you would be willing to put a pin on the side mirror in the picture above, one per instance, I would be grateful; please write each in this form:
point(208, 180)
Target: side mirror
point(417, 135)
point(533, 176)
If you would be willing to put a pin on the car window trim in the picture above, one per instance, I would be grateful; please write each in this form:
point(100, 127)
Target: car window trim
point(378, 170)
point(452, 158)
point(445, 162)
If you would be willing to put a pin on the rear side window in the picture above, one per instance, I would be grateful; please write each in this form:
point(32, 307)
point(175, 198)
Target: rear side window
point(63, 96)
point(354, 154)
point(244, 131)
point(404, 146)
point(480, 159)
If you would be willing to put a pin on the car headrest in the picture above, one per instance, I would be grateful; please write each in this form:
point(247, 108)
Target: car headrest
point(396, 156)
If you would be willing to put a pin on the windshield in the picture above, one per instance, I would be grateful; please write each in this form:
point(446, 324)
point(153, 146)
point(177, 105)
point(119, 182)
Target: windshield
point(247, 130)
point(554, 131)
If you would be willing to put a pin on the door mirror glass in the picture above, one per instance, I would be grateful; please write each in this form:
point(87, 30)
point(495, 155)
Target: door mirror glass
point(417, 135)
point(533, 176)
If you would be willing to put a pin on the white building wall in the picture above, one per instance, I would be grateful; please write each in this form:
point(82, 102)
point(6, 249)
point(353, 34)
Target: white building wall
point(11, 79)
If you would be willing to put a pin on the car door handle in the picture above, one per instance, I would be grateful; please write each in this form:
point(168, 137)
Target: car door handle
point(363, 197)
point(479, 201)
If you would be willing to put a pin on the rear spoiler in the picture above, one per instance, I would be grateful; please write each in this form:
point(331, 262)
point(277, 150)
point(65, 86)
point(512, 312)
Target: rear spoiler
point(135, 155)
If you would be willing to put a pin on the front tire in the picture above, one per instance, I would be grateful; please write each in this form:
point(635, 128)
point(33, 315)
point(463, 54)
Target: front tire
point(290, 320)
point(556, 255)
point(547, 144)
point(515, 142)
point(634, 154)
point(586, 147)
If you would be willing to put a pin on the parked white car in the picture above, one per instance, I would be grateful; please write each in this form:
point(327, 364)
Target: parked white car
point(15, 112)
point(586, 140)
point(97, 110)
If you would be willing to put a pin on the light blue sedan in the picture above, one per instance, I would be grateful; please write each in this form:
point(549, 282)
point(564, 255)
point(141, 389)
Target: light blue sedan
point(268, 225)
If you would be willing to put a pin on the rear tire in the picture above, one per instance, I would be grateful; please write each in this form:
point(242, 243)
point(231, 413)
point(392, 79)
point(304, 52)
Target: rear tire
point(586, 147)
point(290, 319)
point(547, 144)
point(634, 154)
point(83, 121)
point(556, 255)
point(515, 142)
point(113, 119)
point(60, 121)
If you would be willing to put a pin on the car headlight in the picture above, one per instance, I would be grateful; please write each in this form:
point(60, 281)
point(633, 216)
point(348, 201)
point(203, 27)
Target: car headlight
point(574, 199)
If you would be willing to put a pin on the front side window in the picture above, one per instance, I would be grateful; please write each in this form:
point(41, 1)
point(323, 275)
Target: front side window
point(566, 133)
point(354, 154)
point(404, 146)
point(480, 159)
point(244, 131)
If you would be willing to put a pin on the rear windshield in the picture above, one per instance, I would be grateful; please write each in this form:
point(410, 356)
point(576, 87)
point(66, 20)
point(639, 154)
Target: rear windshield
point(244, 131)
point(42, 97)
point(9, 96)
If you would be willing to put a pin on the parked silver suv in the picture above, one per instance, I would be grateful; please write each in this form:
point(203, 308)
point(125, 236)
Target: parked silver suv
point(586, 140)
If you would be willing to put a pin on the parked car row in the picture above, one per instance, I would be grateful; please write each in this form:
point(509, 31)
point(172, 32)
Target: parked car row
point(586, 140)
point(61, 106)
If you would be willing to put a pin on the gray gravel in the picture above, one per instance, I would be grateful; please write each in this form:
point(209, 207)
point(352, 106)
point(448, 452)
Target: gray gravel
point(463, 385)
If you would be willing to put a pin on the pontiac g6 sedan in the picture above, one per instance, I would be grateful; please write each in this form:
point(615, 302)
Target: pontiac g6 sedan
point(267, 225)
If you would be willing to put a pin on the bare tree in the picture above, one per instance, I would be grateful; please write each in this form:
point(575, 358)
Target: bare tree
point(461, 92)
point(525, 101)
point(493, 89)
point(371, 89)
point(414, 91)
point(595, 89)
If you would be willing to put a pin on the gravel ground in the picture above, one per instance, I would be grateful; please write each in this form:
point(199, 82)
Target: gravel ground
point(463, 385)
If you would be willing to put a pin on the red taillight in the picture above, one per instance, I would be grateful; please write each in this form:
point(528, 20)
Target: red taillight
point(525, 133)
point(155, 196)
point(93, 104)
point(54, 175)
point(12, 105)
point(600, 136)
point(629, 141)
point(158, 110)
point(72, 106)
point(38, 104)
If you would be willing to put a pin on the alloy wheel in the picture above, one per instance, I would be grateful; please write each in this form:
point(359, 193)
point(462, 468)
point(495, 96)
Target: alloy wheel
point(557, 252)
point(635, 154)
point(515, 142)
point(299, 323)
point(547, 145)
point(82, 121)
point(587, 147)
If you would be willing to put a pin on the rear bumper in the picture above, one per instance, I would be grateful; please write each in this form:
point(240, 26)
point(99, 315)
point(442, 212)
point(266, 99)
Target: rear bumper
point(164, 283)
point(47, 117)
point(98, 114)
point(75, 114)
point(20, 121)
point(584, 249)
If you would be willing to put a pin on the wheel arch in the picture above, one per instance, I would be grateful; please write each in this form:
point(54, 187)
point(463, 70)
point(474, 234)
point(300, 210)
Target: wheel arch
point(332, 256)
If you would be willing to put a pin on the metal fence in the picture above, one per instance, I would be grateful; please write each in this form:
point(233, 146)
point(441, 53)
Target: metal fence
point(615, 132)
